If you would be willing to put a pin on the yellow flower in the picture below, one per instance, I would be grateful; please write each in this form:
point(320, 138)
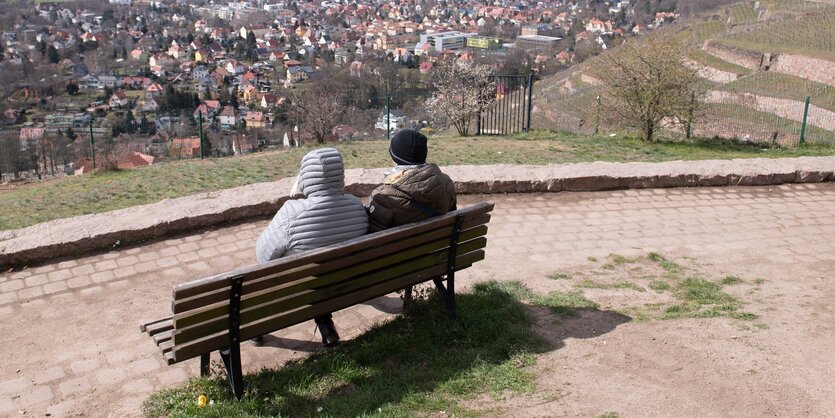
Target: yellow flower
point(202, 400)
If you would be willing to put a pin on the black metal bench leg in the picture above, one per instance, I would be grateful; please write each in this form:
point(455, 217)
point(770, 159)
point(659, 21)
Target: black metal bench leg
point(204, 365)
point(231, 357)
point(447, 294)
point(407, 298)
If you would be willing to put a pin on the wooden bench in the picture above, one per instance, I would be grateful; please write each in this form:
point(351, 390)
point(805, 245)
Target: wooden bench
point(218, 312)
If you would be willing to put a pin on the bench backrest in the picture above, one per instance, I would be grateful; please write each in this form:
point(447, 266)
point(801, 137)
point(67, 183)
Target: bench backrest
point(291, 290)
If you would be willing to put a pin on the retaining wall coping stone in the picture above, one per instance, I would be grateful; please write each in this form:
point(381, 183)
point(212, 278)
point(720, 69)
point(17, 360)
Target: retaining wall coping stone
point(83, 234)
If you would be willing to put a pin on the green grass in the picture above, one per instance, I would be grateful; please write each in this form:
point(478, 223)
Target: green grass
point(759, 126)
point(713, 61)
point(703, 292)
point(659, 285)
point(559, 276)
point(811, 35)
point(699, 298)
point(563, 304)
point(24, 205)
point(730, 280)
point(708, 30)
point(743, 13)
point(414, 365)
point(785, 86)
point(591, 284)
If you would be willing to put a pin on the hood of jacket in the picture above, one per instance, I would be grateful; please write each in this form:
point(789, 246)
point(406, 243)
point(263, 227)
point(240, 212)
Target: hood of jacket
point(322, 173)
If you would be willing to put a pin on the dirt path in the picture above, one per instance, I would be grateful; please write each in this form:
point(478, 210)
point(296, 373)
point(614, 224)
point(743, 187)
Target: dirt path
point(75, 347)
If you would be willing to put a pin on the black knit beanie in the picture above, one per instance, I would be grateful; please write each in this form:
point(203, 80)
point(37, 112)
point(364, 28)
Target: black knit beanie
point(408, 147)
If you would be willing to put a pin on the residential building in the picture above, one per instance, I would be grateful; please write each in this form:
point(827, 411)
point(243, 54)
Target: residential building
point(255, 120)
point(450, 41)
point(118, 99)
point(537, 42)
point(228, 117)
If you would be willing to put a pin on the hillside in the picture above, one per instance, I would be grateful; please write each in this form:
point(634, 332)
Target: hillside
point(758, 62)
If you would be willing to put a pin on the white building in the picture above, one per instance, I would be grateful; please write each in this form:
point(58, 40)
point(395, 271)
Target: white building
point(440, 41)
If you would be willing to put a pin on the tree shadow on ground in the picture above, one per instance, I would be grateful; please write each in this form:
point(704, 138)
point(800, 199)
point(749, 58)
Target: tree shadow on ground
point(422, 361)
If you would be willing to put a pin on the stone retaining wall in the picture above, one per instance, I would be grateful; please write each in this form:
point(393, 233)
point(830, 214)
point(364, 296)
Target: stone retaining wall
point(739, 56)
point(83, 234)
point(821, 71)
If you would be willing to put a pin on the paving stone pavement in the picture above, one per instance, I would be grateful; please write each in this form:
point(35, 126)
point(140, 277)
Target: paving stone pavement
point(72, 326)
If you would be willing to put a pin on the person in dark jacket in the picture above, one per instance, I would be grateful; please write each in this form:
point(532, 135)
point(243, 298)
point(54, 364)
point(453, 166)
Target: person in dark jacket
point(413, 190)
point(325, 216)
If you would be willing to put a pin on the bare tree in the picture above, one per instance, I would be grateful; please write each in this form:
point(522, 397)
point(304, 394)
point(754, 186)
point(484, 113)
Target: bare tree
point(462, 91)
point(318, 110)
point(647, 85)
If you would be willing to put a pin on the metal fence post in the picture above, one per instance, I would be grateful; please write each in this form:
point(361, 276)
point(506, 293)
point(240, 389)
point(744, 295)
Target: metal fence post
point(200, 130)
point(388, 114)
point(690, 116)
point(597, 116)
point(92, 145)
point(530, 102)
point(803, 124)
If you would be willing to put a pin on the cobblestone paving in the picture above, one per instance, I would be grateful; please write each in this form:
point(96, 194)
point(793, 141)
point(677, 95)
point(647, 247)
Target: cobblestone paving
point(71, 326)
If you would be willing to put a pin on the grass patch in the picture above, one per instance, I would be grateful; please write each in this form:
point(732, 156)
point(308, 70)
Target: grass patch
point(411, 366)
point(592, 259)
point(758, 281)
point(743, 316)
point(559, 276)
point(28, 204)
point(619, 259)
point(563, 304)
point(628, 285)
point(659, 285)
point(670, 267)
point(704, 299)
point(702, 292)
point(761, 325)
point(591, 284)
point(730, 280)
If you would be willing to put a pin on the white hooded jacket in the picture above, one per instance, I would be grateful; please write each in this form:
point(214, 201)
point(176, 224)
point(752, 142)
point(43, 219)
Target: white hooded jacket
point(325, 216)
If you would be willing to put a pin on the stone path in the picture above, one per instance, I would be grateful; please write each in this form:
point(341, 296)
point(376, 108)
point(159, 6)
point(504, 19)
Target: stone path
point(71, 327)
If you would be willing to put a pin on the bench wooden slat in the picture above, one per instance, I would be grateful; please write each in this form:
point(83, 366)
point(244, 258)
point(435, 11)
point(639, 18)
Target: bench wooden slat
point(474, 228)
point(144, 327)
point(160, 326)
point(163, 336)
point(218, 304)
point(216, 341)
point(314, 256)
point(169, 357)
point(166, 346)
point(273, 303)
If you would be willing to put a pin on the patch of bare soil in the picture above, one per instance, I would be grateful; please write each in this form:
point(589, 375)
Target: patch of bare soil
point(764, 349)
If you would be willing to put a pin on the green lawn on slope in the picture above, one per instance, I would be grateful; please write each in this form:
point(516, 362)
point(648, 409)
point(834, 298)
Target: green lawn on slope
point(24, 205)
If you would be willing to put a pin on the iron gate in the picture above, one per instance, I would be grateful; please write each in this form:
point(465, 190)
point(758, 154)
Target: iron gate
point(512, 110)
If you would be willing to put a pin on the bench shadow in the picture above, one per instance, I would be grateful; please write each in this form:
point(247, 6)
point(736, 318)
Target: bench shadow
point(418, 356)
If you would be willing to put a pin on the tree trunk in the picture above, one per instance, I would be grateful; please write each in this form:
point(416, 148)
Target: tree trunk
point(648, 131)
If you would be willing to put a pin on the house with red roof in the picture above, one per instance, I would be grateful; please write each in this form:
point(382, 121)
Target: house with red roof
point(118, 99)
point(255, 120)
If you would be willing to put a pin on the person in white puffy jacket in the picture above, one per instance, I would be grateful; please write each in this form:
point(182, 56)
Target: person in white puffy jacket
point(325, 216)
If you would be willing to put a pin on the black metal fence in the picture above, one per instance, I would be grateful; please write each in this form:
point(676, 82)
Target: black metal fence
point(511, 111)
